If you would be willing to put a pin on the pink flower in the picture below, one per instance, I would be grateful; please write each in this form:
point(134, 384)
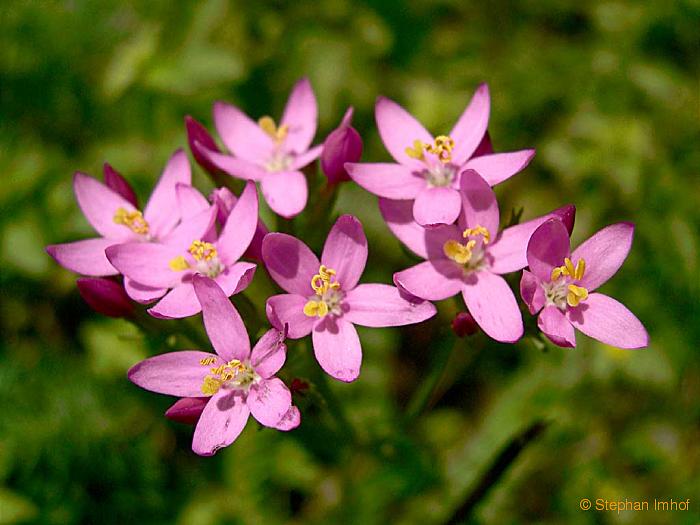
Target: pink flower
point(468, 257)
point(324, 299)
point(225, 201)
point(173, 266)
point(268, 153)
point(342, 145)
point(560, 283)
point(235, 381)
point(428, 167)
point(111, 210)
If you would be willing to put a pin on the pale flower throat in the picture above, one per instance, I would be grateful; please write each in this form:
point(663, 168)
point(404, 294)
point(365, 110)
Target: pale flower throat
point(206, 260)
point(278, 160)
point(440, 174)
point(233, 375)
point(328, 296)
point(561, 291)
point(470, 255)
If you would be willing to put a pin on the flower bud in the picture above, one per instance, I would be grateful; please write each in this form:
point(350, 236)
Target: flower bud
point(484, 147)
point(105, 296)
point(187, 410)
point(196, 132)
point(114, 181)
point(298, 386)
point(464, 324)
point(342, 145)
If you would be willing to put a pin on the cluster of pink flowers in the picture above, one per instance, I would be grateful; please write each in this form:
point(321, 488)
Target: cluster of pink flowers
point(184, 253)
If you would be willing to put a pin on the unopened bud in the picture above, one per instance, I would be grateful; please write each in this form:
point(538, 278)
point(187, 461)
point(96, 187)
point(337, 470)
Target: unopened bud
point(196, 132)
point(105, 296)
point(464, 324)
point(342, 145)
point(187, 410)
point(115, 182)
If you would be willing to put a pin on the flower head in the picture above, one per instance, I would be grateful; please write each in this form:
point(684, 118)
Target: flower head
point(468, 257)
point(235, 381)
point(561, 283)
point(342, 145)
point(324, 298)
point(428, 168)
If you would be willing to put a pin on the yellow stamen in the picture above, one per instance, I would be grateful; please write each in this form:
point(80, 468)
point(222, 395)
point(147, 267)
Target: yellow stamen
point(478, 230)
point(178, 264)
point(211, 385)
point(416, 152)
point(202, 250)
point(442, 147)
point(576, 295)
point(580, 269)
point(316, 308)
point(131, 219)
point(221, 374)
point(323, 281)
point(207, 361)
point(459, 253)
point(569, 270)
point(278, 134)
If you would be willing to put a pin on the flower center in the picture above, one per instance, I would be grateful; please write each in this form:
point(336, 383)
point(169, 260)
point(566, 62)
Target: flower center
point(131, 219)
point(440, 175)
point(278, 134)
point(278, 161)
point(441, 147)
point(328, 296)
point(206, 260)
point(234, 375)
point(561, 289)
point(471, 254)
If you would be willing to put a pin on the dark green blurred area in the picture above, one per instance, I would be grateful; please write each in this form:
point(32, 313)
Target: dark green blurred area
point(606, 91)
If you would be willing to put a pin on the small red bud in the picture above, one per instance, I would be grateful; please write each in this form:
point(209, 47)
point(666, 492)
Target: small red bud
point(464, 324)
point(197, 133)
point(105, 296)
point(298, 385)
point(342, 145)
point(114, 181)
point(187, 410)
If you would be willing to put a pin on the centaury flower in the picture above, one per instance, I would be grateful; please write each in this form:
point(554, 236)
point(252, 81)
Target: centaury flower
point(268, 153)
point(236, 381)
point(324, 298)
point(164, 266)
point(561, 284)
point(469, 257)
point(429, 168)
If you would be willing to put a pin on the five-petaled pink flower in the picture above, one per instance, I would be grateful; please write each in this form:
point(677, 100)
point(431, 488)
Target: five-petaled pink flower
point(164, 266)
point(325, 300)
point(268, 153)
point(428, 168)
point(469, 257)
point(236, 381)
point(560, 283)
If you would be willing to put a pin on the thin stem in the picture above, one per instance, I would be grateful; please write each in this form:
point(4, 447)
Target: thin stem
point(495, 472)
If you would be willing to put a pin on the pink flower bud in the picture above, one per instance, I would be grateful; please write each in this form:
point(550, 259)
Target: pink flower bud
point(342, 145)
point(464, 324)
point(196, 132)
point(105, 296)
point(484, 147)
point(187, 410)
point(117, 183)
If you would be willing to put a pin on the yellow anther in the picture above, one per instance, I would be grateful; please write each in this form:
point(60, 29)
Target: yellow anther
point(316, 309)
point(459, 253)
point(178, 264)
point(211, 385)
point(556, 273)
point(207, 361)
point(131, 219)
point(442, 147)
point(569, 270)
point(416, 152)
point(477, 230)
point(267, 124)
point(323, 281)
point(202, 250)
point(580, 269)
point(576, 294)
point(222, 374)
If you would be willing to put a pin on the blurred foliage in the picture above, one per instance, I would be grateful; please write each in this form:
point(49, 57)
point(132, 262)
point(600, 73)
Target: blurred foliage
point(608, 93)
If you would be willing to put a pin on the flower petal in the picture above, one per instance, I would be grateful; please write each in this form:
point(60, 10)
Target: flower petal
point(492, 304)
point(221, 422)
point(236, 167)
point(175, 373)
point(609, 321)
point(222, 321)
point(509, 251)
point(471, 126)
point(141, 293)
point(497, 167)
point(288, 310)
point(300, 115)
point(241, 135)
point(290, 262)
point(531, 291)
point(547, 248)
point(286, 192)
point(99, 204)
point(337, 348)
point(269, 401)
point(479, 202)
point(378, 305)
point(392, 181)
point(345, 251)
point(162, 212)
point(179, 302)
point(191, 229)
point(604, 253)
point(433, 280)
point(398, 216)
point(306, 158)
point(398, 130)
point(190, 201)
point(434, 206)
point(86, 257)
point(146, 263)
point(290, 421)
point(240, 226)
point(269, 353)
point(557, 327)
point(236, 278)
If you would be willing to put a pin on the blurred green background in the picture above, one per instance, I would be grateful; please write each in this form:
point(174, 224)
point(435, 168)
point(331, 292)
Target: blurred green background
point(608, 93)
